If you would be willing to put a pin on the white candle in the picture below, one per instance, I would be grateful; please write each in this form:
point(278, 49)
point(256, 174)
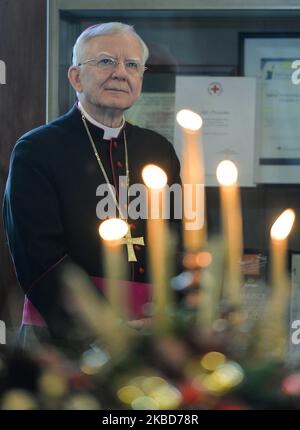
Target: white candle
point(273, 334)
point(194, 235)
point(111, 231)
point(227, 175)
point(279, 236)
point(156, 179)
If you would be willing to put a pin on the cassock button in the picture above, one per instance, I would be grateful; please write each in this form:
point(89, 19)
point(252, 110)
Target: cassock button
point(119, 164)
point(132, 226)
point(141, 270)
point(115, 144)
point(137, 247)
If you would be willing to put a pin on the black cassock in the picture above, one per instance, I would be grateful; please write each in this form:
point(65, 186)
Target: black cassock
point(50, 205)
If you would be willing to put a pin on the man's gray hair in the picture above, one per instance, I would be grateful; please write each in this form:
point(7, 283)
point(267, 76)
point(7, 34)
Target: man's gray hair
point(109, 28)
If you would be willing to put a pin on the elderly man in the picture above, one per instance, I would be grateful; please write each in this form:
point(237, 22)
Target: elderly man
point(50, 201)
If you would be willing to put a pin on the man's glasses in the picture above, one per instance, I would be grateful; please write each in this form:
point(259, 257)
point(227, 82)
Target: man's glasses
point(110, 64)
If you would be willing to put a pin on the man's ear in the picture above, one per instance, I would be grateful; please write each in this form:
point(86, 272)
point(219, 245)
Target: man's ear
point(74, 78)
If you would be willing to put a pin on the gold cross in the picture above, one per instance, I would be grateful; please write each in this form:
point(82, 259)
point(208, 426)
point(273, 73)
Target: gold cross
point(129, 241)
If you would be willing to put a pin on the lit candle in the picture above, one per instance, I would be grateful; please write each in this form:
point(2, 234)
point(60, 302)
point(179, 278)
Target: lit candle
point(273, 335)
point(194, 230)
point(112, 231)
point(279, 234)
point(156, 179)
point(227, 175)
point(279, 277)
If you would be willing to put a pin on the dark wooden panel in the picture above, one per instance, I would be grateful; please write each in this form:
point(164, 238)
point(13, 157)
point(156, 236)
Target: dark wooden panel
point(22, 105)
point(260, 207)
point(253, 212)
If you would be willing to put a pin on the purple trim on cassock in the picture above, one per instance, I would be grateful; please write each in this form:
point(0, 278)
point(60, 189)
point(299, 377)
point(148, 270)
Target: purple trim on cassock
point(138, 295)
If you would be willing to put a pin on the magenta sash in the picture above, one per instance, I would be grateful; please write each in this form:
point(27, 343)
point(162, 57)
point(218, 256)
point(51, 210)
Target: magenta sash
point(137, 296)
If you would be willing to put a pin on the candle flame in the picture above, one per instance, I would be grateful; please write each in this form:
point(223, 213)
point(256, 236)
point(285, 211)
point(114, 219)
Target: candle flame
point(154, 177)
point(283, 225)
point(227, 173)
point(113, 229)
point(189, 120)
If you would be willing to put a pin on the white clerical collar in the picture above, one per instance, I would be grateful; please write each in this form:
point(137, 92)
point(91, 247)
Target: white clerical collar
point(109, 132)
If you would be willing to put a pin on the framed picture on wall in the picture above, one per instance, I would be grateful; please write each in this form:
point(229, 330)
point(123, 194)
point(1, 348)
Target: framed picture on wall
point(271, 59)
point(155, 108)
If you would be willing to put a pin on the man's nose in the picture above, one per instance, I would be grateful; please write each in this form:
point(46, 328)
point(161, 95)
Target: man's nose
point(120, 71)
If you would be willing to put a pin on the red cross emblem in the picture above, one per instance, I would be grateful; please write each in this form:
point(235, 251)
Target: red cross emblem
point(215, 88)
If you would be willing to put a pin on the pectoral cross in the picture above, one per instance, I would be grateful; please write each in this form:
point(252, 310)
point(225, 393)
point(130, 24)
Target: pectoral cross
point(129, 241)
